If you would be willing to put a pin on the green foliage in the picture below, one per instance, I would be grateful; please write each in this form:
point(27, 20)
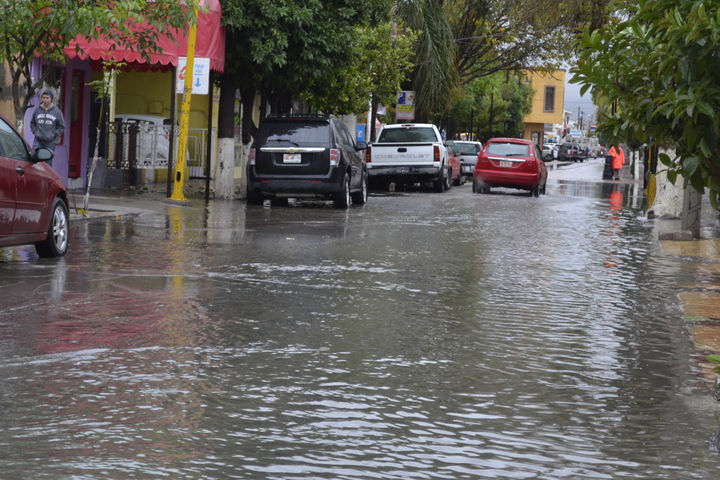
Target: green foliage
point(435, 74)
point(382, 59)
point(294, 47)
point(659, 61)
point(510, 100)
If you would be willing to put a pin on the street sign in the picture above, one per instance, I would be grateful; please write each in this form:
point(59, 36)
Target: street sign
point(405, 105)
point(360, 133)
point(200, 78)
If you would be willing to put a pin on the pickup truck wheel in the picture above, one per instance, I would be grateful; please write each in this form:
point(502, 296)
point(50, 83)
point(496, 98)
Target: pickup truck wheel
point(360, 198)
point(440, 185)
point(341, 199)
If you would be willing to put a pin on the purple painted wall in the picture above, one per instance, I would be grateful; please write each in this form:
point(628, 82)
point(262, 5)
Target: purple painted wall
point(60, 162)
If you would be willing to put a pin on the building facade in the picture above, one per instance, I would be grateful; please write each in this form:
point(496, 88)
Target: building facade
point(547, 103)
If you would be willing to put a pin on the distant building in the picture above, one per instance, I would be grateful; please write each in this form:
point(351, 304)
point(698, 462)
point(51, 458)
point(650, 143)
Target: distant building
point(547, 103)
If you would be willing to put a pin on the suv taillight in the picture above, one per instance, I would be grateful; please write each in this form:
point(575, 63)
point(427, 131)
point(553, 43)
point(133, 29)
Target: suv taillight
point(436, 154)
point(251, 157)
point(334, 156)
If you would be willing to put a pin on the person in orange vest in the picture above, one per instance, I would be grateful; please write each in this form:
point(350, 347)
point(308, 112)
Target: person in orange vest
point(618, 160)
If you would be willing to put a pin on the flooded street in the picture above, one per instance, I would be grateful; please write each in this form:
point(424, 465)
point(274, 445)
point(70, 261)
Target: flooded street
point(423, 336)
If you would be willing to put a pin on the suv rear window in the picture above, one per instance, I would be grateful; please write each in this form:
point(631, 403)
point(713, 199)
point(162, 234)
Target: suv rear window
point(407, 135)
point(294, 133)
point(508, 149)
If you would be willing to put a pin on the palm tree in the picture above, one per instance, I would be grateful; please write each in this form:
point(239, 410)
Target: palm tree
point(435, 74)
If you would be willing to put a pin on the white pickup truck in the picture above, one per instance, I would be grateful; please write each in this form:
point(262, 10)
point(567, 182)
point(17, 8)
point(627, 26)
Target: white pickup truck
point(409, 153)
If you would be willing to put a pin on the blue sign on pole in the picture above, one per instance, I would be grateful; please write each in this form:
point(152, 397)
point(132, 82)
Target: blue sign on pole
point(361, 133)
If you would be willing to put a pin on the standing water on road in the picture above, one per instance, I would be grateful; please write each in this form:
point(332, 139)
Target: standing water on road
point(422, 336)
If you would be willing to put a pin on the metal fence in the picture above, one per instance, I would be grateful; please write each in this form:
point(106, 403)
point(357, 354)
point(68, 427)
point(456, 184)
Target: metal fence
point(146, 146)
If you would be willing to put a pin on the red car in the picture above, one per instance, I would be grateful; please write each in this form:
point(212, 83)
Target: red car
point(455, 166)
point(510, 162)
point(33, 198)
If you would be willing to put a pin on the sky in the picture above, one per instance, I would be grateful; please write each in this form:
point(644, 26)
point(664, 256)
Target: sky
point(573, 100)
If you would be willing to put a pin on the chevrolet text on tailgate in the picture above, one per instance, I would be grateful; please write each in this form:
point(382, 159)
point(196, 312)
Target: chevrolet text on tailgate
point(409, 153)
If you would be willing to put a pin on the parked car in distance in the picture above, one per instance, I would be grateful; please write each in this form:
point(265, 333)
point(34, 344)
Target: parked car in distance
point(456, 175)
point(570, 152)
point(512, 163)
point(547, 151)
point(467, 151)
point(306, 156)
point(33, 197)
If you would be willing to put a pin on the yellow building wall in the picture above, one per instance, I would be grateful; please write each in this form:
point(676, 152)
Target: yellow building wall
point(537, 118)
point(149, 93)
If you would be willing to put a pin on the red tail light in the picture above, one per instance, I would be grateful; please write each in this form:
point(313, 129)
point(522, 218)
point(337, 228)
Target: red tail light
point(436, 154)
point(251, 157)
point(368, 157)
point(334, 156)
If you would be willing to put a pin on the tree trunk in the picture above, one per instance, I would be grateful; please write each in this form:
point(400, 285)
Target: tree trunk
point(225, 175)
point(247, 96)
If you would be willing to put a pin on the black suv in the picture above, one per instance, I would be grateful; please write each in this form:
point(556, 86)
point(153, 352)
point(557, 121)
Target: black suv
point(306, 155)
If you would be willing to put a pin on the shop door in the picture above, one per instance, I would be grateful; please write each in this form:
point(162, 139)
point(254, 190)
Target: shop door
point(76, 124)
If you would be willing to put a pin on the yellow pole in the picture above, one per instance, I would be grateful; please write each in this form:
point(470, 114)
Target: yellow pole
point(178, 193)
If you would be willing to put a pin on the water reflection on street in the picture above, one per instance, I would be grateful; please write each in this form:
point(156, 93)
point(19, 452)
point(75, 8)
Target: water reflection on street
point(421, 336)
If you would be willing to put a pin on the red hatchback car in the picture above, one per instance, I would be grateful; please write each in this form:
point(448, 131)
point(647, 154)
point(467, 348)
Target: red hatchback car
point(510, 162)
point(33, 198)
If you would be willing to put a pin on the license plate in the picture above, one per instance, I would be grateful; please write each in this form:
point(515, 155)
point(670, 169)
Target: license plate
point(506, 164)
point(292, 158)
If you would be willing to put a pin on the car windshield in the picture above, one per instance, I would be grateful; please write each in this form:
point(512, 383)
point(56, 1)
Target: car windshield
point(509, 149)
point(407, 135)
point(465, 148)
point(292, 133)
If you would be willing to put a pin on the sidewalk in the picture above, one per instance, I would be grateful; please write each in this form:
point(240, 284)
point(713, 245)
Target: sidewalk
point(118, 203)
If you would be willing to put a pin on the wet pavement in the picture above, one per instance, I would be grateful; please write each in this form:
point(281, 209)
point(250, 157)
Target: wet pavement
point(421, 336)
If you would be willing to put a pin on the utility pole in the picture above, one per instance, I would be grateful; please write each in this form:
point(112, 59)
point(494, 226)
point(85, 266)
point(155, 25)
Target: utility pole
point(178, 193)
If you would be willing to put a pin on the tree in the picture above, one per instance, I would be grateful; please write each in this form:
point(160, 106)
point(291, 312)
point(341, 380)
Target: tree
point(497, 35)
point(46, 27)
point(435, 74)
point(383, 59)
point(500, 93)
point(658, 60)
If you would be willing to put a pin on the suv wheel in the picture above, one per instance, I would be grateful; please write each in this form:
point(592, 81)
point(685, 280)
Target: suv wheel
point(360, 198)
point(341, 199)
point(255, 197)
